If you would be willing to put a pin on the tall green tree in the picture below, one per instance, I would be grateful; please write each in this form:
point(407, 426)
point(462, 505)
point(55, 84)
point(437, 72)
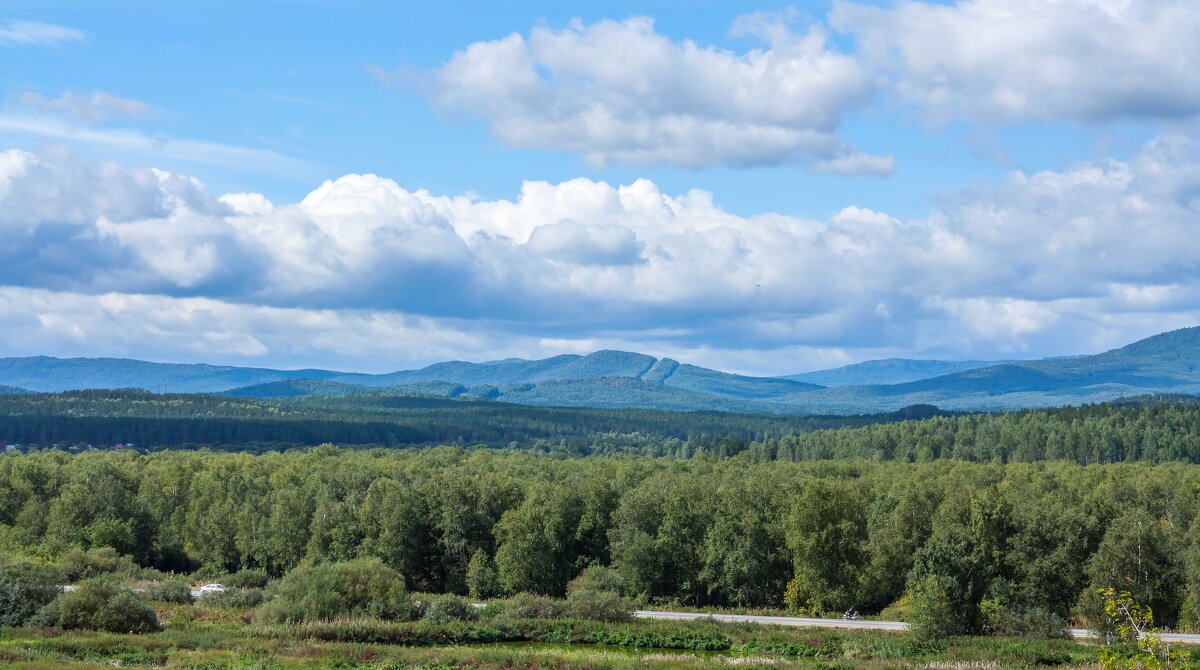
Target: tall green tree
point(826, 535)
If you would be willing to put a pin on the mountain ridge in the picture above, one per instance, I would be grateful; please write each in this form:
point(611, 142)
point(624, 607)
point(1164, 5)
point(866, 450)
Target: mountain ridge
point(1165, 363)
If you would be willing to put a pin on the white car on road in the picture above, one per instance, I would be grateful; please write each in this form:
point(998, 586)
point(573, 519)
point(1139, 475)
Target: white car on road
point(209, 589)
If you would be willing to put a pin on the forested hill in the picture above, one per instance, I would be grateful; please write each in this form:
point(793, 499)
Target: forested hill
point(382, 418)
point(889, 371)
point(1155, 429)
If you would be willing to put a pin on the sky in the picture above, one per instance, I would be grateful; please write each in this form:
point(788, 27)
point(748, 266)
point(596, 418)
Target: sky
point(765, 188)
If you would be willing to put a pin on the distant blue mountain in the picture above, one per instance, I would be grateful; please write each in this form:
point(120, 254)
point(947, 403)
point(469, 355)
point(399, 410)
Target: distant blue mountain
point(889, 371)
point(515, 378)
point(43, 373)
point(1165, 363)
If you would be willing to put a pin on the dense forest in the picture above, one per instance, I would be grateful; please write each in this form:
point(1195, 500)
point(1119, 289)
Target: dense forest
point(1147, 429)
point(817, 537)
point(106, 417)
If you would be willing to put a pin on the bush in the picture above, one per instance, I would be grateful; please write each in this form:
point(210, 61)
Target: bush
point(599, 606)
point(246, 579)
point(363, 587)
point(597, 578)
point(77, 564)
point(173, 591)
point(933, 614)
point(25, 588)
point(235, 598)
point(1032, 622)
point(450, 608)
point(482, 581)
point(99, 604)
point(530, 606)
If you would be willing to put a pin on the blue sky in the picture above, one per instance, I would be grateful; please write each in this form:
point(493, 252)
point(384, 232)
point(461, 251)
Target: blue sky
point(762, 187)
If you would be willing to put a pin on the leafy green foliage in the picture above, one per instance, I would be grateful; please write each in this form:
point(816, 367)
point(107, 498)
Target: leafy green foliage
point(171, 591)
point(1139, 553)
point(597, 578)
point(449, 608)
point(482, 581)
point(1029, 537)
point(24, 589)
point(1026, 622)
point(100, 604)
point(531, 606)
point(936, 609)
point(597, 605)
point(1133, 624)
point(826, 535)
point(237, 598)
point(363, 587)
point(246, 579)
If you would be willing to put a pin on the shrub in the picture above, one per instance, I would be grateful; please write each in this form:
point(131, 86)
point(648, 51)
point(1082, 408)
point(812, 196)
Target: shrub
point(209, 573)
point(482, 581)
point(362, 587)
point(99, 604)
point(597, 578)
point(450, 608)
point(24, 589)
point(599, 606)
point(235, 598)
point(78, 564)
point(173, 591)
point(900, 610)
point(246, 579)
point(933, 615)
point(1027, 622)
point(530, 606)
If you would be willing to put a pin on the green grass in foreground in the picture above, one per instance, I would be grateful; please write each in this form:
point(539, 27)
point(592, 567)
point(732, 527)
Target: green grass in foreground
point(196, 638)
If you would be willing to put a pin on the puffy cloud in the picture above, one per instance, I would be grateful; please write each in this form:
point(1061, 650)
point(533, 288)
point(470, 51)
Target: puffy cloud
point(203, 329)
point(621, 91)
point(580, 244)
point(1037, 263)
point(94, 108)
point(37, 33)
point(1014, 60)
point(154, 327)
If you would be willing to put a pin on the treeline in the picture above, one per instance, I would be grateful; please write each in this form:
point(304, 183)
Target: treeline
point(389, 420)
point(1146, 430)
point(1110, 433)
point(965, 539)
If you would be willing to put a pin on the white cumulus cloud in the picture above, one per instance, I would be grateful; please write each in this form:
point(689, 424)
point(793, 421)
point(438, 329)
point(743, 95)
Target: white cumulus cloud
point(621, 91)
point(1017, 60)
point(1038, 262)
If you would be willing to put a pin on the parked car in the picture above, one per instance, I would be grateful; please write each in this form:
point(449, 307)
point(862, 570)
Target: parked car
point(212, 588)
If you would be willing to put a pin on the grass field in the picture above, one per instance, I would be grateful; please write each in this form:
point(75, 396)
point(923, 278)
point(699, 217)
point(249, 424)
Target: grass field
point(200, 638)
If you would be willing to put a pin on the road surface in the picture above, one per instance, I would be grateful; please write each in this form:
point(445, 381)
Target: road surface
point(777, 620)
point(861, 624)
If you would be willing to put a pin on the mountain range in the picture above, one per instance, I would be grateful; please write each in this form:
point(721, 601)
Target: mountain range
point(1165, 363)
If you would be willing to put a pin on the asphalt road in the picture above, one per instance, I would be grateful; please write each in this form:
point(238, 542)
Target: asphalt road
point(862, 624)
point(777, 620)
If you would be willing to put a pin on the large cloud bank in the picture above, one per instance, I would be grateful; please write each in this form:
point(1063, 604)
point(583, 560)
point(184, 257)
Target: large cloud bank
point(624, 92)
point(1072, 260)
